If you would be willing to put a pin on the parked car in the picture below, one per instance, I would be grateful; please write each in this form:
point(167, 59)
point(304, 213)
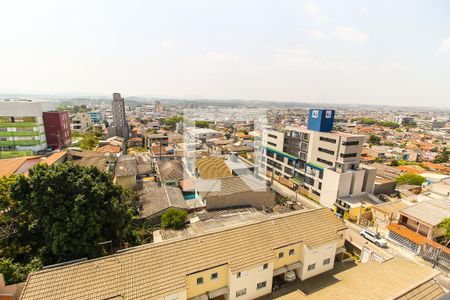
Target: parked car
point(373, 237)
point(290, 276)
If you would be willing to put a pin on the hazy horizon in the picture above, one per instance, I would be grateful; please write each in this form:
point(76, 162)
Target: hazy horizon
point(352, 52)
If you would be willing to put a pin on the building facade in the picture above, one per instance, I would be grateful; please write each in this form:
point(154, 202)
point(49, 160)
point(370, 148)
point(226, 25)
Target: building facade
point(238, 262)
point(22, 124)
point(322, 164)
point(81, 122)
point(119, 126)
point(57, 129)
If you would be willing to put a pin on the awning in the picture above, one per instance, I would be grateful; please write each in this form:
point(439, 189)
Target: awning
point(219, 292)
point(279, 271)
point(294, 266)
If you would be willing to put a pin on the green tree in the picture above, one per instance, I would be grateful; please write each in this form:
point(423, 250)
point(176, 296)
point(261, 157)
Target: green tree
point(173, 218)
point(15, 272)
point(202, 124)
point(445, 224)
point(394, 163)
point(374, 139)
point(72, 209)
point(442, 157)
point(410, 178)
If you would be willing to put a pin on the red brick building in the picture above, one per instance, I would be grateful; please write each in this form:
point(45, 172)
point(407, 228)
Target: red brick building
point(57, 129)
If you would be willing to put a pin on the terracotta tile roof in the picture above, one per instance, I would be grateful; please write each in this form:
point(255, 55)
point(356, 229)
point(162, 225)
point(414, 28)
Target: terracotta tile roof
point(157, 270)
point(171, 170)
point(109, 149)
point(54, 158)
point(411, 169)
point(212, 168)
point(10, 166)
point(414, 237)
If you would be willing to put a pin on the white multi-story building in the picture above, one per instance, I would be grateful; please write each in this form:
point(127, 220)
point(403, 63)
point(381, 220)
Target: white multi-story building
point(323, 164)
point(81, 122)
point(22, 124)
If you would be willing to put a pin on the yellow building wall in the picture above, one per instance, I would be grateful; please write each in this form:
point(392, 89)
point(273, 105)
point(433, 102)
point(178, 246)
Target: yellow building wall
point(194, 289)
point(287, 259)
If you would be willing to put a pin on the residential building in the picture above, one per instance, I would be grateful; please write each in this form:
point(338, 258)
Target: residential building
point(158, 106)
point(119, 126)
point(22, 124)
point(404, 120)
point(81, 122)
point(203, 134)
point(160, 139)
point(323, 164)
point(237, 262)
point(96, 117)
point(57, 129)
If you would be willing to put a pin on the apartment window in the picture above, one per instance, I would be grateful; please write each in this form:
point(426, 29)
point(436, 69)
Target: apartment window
point(311, 267)
point(270, 154)
point(324, 161)
point(272, 136)
point(261, 285)
point(241, 292)
point(200, 280)
point(348, 155)
point(325, 139)
point(352, 143)
point(291, 252)
point(272, 144)
point(326, 261)
point(280, 255)
point(241, 274)
point(214, 276)
point(326, 151)
point(280, 158)
point(265, 266)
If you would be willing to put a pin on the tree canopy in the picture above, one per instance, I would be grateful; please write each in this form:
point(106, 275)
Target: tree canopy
point(173, 218)
point(59, 213)
point(410, 178)
point(442, 157)
point(374, 139)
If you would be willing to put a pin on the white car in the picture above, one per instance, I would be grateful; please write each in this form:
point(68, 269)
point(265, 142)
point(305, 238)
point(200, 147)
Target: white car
point(374, 238)
point(289, 276)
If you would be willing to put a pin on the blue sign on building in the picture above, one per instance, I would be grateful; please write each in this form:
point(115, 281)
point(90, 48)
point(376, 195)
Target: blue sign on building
point(320, 119)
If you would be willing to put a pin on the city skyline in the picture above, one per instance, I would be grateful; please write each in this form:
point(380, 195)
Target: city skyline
point(306, 51)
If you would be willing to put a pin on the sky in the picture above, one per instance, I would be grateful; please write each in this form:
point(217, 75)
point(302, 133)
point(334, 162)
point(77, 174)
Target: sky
point(342, 51)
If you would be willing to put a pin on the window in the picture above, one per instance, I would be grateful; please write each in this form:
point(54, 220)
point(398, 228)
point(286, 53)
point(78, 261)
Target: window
point(291, 252)
point(272, 144)
point(261, 285)
point(353, 143)
point(200, 280)
point(280, 255)
point(324, 161)
point(325, 139)
point(348, 155)
point(272, 136)
point(241, 292)
point(241, 274)
point(214, 276)
point(311, 267)
point(265, 266)
point(326, 261)
point(326, 151)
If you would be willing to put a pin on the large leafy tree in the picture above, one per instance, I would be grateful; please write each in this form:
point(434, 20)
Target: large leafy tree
point(71, 209)
point(173, 218)
point(443, 156)
point(410, 178)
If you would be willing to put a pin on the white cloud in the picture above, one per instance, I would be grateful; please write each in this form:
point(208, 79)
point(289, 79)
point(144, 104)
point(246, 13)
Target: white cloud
point(397, 67)
point(445, 46)
point(167, 44)
point(314, 11)
point(364, 11)
point(350, 34)
point(316, 33)
point(219, 57)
